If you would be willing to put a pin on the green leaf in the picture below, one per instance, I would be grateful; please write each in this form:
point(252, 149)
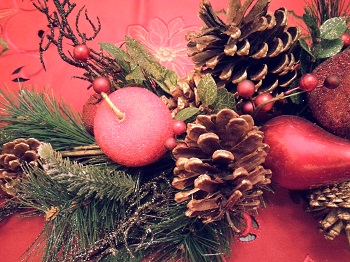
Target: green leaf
point(224, 99)
point(136, 75)
point(119, 55)
point(333, 28)
point(164, 77)
point(207, 90)
point(305, 46)
point(186, 113)
point(328, 48)
point(311, 23)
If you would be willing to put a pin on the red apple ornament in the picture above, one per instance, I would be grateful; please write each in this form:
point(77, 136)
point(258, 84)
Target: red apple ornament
point(138, 138)
point(302, 155)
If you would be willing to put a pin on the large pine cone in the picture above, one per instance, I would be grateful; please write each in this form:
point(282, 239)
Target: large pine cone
point(256, 45)
point(220, 170)
point(332, 203)
point(13, 155)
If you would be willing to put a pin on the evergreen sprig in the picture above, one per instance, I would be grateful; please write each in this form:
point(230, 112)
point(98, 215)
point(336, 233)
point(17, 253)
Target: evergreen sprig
point(86, 181)
point(88, 202)
point(37, 114)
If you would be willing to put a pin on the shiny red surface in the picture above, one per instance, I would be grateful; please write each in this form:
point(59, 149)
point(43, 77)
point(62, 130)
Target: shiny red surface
point(283, 231)
point(303, 155)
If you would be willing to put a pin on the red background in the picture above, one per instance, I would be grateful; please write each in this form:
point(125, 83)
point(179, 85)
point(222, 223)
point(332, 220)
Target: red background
point(286, 232)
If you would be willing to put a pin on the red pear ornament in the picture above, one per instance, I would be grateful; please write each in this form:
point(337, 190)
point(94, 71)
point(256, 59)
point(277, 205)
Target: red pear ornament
point(138, 136)
point(303, 155)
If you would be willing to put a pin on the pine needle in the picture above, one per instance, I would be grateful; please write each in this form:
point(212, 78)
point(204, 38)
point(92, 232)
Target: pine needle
point(32, 114)
point(86, 181)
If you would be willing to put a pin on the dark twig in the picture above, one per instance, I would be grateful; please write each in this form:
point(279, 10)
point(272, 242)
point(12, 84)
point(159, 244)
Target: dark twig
point(61, 33)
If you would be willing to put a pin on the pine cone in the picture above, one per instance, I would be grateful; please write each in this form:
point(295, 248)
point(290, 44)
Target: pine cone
point(219, 170)
point(332, 203)
point(184, 94)
point(13, 155)
point(256, 45)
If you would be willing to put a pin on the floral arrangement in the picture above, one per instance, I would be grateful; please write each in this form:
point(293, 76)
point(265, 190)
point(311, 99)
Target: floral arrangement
point(162, 167)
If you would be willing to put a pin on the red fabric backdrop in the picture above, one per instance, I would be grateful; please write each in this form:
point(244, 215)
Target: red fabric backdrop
point(282, 232)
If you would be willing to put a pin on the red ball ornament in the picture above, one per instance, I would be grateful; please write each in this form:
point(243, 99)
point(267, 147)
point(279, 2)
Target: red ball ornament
point(247, 108)
point(170, 143)
point(246, 88)
point(346, 39)
point(262, 99)
point(101, 85)
point(179, 127)
point(331, 82)
point(308, 82)
point(81, 52)
point(138, 138)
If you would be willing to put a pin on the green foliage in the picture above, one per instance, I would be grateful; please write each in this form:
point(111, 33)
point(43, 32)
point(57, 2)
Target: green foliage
point(33, 114)
point(223, 100)
point(122, 57)
point(140, 66)
point(326, 40)
point(187, 113)
point(207, 90)
point(90, 200)
point(326, 21)
point(86, 181)
point(213, 97)
point(327, 48)
point(333, 28)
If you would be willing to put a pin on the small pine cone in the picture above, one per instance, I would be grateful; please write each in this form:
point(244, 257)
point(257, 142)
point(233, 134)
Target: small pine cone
point(332, 203)
point(219, 171)
point(184, 94)
point(13, 155)
point(251, 45)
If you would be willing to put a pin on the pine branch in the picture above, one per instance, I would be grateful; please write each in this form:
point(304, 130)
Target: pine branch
point(86, 181)
point(31, 114)
point(77, 212)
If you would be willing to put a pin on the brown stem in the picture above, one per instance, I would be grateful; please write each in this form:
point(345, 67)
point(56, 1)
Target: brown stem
point(118, 113)
point(78, 153)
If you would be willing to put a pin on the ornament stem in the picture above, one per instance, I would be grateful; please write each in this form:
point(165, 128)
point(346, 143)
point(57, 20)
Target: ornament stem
point(118, 113)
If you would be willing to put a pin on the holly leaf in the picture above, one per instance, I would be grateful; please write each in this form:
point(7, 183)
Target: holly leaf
point(186, 113)
point(119, 55)
point(333, 28)
point(207, 90)
point(328, 48)
point(224, 99)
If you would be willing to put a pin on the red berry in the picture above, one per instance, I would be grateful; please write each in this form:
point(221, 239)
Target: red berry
point(331, 82)
point(308, 82)
point(81, 52)
point(101, 84)
point(262, 99)
point(179, 127)
point(170, 143)
point(247, 108)
point(346, 39)
point(246, 88)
